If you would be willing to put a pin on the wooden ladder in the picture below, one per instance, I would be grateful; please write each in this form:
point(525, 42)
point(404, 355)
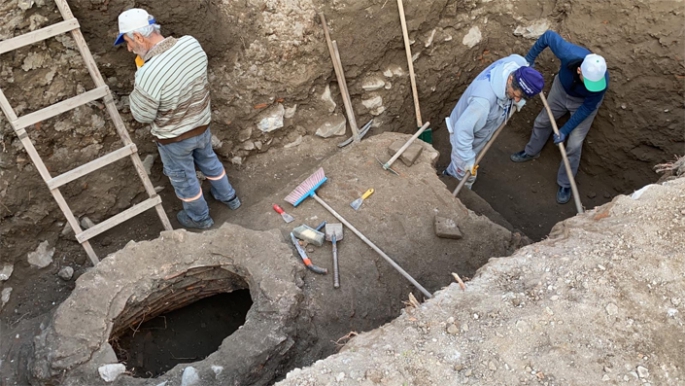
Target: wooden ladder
point(19, 124)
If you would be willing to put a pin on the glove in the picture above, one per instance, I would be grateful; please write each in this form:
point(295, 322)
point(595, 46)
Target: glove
point(559, 138)
point(471, 167)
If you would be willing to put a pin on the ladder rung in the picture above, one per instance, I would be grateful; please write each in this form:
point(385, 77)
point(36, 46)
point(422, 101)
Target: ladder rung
point(59, 108)
point(118, 219)
point(38, 35)
point(91, 166)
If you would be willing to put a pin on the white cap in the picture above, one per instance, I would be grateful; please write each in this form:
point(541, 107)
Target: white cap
point(131, 20)
point(594, 69)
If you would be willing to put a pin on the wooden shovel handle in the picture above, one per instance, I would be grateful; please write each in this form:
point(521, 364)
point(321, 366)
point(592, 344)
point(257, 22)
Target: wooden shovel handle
point(562, 149)
point(410, 63)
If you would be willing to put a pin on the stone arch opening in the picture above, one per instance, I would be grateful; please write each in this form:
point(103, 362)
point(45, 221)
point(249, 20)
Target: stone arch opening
point(183, 319)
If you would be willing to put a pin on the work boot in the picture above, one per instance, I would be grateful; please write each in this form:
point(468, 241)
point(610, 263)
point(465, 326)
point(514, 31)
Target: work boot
point(233, 203)
point(445, 173)
point(188, 222)
point(522, 156)
point(563, 195)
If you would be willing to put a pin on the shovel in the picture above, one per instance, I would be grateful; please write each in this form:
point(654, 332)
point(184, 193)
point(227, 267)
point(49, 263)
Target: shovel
point(358, 202)
point(334, 233)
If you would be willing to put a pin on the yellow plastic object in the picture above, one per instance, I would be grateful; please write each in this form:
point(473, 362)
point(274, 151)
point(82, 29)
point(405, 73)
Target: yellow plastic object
point(367, 193)
point(139, 61)
point(474, 170)
point(356, 204)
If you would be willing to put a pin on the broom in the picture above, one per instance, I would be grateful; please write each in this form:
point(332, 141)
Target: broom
point(308, 189)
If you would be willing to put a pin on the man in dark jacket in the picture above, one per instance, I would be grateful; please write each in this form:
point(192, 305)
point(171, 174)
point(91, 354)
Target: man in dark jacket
point(578, 89)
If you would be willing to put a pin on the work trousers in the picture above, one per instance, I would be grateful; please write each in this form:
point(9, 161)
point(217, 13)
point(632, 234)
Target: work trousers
point(180, 159)
point(561, 103)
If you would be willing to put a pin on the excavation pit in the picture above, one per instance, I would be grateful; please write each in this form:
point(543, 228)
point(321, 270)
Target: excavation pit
point(185, 320)
point(223, 302)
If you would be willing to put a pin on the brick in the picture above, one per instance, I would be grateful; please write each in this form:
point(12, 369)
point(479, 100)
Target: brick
point(410, 155)
point(447, 228)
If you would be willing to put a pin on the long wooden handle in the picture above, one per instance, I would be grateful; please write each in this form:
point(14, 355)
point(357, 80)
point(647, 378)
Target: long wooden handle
point(373, 246)
point(404, 147)
point(562, 149)
point(410, 63)
point(482, 152)
point(340, 76)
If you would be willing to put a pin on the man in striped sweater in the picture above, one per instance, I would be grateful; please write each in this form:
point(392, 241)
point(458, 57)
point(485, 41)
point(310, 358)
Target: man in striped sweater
point(171, 93)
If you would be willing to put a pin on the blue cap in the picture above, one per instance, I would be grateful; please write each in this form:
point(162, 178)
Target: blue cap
point(529, 80)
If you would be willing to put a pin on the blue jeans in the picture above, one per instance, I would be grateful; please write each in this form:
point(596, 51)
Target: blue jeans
point(179, 160)
point(561, 103)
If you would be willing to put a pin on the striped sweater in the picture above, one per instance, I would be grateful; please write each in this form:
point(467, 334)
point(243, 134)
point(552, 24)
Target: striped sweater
point(171, 90)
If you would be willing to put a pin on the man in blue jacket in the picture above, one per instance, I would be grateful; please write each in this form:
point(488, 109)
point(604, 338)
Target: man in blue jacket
point(578, 89)
point(483, 106)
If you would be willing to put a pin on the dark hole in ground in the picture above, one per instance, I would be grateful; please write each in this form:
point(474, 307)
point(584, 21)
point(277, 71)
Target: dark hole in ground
point(525, 193)
point(185, 335)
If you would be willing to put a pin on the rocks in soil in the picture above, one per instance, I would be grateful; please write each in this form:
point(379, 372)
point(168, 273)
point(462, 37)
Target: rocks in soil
point(294, 143)
point(6, 271)
point(217, 370)
point(190, 377)
point(66, 273)
point(148, 162)
point(42, 256)
point(642, 372)
point(109, 373)
point(216, 142)
point(532, 31)
point(373, 83)
point(5, 297)
point(245, 134)
point(328, 100)
point(472, 38)
point(332, 126)
point(290, 111)
point(271, 119)
point(86, 222)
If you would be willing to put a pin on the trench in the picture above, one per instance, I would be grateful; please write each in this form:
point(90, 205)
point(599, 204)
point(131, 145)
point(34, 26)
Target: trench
point(523, 194)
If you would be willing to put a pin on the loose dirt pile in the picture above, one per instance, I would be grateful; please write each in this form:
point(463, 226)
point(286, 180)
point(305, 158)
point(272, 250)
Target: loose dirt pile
point(599, 302)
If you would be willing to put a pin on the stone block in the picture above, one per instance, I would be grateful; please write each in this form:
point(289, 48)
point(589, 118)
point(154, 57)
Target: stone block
point(333, 126)
point(271, 119)
point(410, 155)
point(447, 228)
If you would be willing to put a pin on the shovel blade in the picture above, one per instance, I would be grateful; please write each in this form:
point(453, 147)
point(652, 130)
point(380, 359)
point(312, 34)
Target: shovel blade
point(356, 204)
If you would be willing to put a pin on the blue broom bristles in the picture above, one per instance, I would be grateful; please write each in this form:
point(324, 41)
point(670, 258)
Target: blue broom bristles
point(307, 188)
